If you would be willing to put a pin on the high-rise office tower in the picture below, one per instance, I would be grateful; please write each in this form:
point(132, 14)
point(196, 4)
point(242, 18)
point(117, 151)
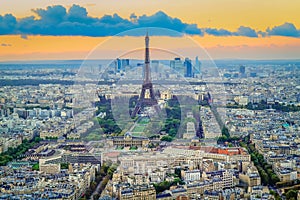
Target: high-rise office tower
point(242, 71)
point(177, 65)
point(188, 67)
point(125, 63)
point(119, 65)
point(197, 66)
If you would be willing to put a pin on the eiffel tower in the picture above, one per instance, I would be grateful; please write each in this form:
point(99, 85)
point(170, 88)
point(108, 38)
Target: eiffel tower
point(147, 85)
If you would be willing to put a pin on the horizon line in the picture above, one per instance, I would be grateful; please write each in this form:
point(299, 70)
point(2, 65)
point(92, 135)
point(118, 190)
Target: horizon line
point(81, 60)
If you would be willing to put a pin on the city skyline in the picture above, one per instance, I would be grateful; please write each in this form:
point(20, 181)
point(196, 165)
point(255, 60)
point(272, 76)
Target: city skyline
point(156, 99)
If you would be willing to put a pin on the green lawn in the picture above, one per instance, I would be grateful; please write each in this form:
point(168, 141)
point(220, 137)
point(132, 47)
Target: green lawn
point(133, 148)
point(141, 125)
point(138, 128)
point(144, 120)
point(93, 136)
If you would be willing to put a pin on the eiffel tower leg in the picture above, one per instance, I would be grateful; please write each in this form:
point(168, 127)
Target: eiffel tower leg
point(152, 94)
point(136, 110)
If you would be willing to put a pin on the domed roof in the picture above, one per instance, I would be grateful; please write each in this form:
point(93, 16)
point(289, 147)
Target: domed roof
point(127, 134)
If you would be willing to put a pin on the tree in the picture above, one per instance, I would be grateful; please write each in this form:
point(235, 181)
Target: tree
point(37, 139)
point(107, 123)
point(14, 153)
point(104, 183)
point(267, 175)
point(64, 165)
point(222, 139)
point(111, 170)
point(234, 138)
point(225, 131)
point(274, 179)
point(291, 195)
point(178, 172)
point(162, 186)
point(172, 132)
point(151, 145)
point(166, 138)
point(36, 167)
point(264, 177)
point(275, 194)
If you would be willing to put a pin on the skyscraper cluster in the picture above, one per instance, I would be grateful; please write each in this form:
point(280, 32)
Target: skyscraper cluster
point(186, 67)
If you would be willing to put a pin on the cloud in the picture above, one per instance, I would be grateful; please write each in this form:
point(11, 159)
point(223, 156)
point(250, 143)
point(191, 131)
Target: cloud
point(5, 45)
point(262, 34)
point(246, 31)
point(193, 30)
point(7, 24)
point(242, 31)
point(53, 15)
point(286, 29)
point(133, 18)
point(57, 20)
point(217, 32)
point(162, 20)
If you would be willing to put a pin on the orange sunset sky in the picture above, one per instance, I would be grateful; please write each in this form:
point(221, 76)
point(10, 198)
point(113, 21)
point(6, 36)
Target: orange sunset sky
point(275, 25)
